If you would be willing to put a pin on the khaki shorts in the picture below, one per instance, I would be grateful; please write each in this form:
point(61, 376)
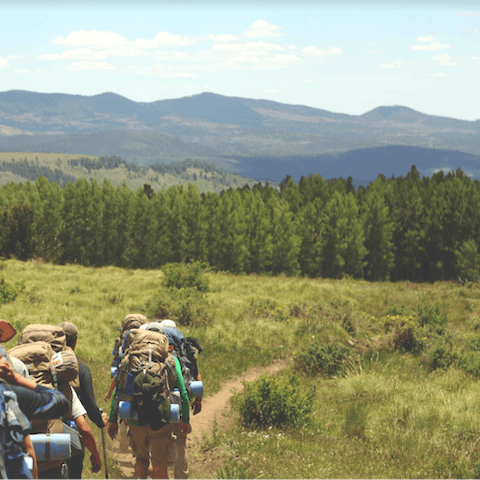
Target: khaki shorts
point(159, 445)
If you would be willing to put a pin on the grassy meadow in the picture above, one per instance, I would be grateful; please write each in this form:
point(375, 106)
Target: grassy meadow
point(402, 404)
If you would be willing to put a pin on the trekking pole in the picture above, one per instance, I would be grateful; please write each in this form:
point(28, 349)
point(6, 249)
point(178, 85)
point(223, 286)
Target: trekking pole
point(104, 451)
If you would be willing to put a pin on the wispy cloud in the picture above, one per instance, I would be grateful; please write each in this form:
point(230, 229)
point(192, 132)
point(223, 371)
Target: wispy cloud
point(468, 31)
point(93, 38)
point(467, 13)
point(425, 39)
point(445, 60)
point(431, 47)
point(248, 48)
point(263, 29)
point(319, 52)
point(393, 65)
point(475, 56)
point(222, 38)
point(271, 90)
point(4, 62)
point(28, 71)
point(437, 75)
point(91, 66)
point(165, 39)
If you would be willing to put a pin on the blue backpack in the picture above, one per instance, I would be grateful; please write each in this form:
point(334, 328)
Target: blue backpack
point(14, 426)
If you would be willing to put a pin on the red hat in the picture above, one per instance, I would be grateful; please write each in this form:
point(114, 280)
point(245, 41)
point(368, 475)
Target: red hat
point(7, 332)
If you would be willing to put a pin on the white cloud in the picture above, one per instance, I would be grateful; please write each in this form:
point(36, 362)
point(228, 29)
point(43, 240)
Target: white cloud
point(293, 47)
point(475, 56)
point(425, 39)
point(439, 75)
point(179, 75)
point(170, 55)
point(432, 46)
point(74, 54)
point(271, 90)
point(163, 39)
point(468, 31)
point(309, 81)
point(445, 60)
point(222, 38)
point(28, 71)
point(14, 57)
point(248, 48)
point(4, 62)
point(93, 38)
point(262, 29)
point(392, 66)
point(253, 62)
point(467, 14)
point(91, 66)
point(318, 52)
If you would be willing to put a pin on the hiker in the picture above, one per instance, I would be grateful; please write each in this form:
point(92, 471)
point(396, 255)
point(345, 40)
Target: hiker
point(181, 463)
point(43, 348)
point(21, 400)
point(147, 374)
point(86, 396)
point(130, 324)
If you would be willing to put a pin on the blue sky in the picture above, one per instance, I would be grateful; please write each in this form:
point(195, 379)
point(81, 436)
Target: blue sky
point(346, 57)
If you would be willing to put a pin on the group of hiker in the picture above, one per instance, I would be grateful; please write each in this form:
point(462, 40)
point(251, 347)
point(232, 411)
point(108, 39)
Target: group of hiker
point(46, 391)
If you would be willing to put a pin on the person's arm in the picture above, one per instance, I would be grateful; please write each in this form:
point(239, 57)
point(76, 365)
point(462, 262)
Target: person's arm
point(28, 445)
point(35, 401)
point(112, 428)
point(87, 395)
point(89, 441)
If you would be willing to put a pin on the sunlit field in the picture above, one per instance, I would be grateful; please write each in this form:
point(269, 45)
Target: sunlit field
point(400, 400)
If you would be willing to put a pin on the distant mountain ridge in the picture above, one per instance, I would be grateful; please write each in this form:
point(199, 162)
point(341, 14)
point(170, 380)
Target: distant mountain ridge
point(238, 133)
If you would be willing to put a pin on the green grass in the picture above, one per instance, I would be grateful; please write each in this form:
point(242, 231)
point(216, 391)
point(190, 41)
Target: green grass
point(386, 413)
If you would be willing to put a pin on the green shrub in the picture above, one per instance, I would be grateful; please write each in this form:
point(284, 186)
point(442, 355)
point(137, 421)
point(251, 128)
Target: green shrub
point(432, 317)
point(185, 275)
point(325, 359)
point(274, 401)
point(405, 333)
point(9, 293)
point(440, 353)
point(187, 306)
point(469, 362)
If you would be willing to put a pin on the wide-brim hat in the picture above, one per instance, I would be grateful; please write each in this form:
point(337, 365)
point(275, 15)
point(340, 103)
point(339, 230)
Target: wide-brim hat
point(7, 332)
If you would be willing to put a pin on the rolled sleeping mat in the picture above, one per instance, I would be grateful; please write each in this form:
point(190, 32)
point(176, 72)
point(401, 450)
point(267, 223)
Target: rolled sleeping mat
point(196, 388)
point(127, 413)
point(29, 462)
point(51, 446)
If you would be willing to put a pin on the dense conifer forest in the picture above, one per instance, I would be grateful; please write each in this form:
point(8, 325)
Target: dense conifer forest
point(400, 228)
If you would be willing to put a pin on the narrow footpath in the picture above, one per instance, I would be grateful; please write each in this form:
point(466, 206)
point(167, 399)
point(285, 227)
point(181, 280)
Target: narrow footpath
point(214, 410)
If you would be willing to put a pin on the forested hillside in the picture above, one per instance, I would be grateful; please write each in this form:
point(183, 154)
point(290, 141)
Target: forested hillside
point(64, 168)
point(420, 229)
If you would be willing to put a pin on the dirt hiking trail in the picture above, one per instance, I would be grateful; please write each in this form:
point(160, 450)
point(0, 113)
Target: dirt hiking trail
point(214, 409)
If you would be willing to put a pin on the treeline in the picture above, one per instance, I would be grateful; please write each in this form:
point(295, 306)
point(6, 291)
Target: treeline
point(31, 171)
point(403, 228)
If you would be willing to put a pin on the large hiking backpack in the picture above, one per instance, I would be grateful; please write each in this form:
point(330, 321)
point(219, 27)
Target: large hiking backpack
point(186, 349)
point(51, 334)
point(37, 356)
point(14, 426)
point(130, 325)
point(53, 370)
point(147, 375)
